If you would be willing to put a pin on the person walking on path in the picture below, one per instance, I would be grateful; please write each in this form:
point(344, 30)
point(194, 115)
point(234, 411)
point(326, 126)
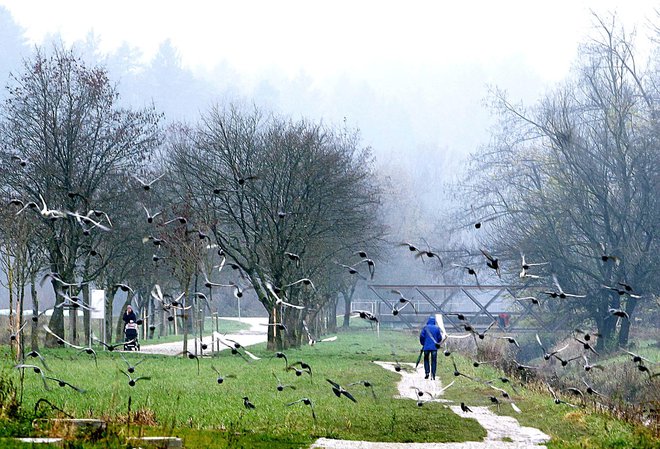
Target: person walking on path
point(430, 338)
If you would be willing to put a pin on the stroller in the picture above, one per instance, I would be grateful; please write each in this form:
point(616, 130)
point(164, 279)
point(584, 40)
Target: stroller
point(131, 337)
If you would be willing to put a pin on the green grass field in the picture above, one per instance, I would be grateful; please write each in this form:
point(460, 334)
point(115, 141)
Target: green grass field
point(178, 401)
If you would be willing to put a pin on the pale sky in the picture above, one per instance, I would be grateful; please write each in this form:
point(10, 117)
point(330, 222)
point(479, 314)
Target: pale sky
point(428, 61)
point(324, 38)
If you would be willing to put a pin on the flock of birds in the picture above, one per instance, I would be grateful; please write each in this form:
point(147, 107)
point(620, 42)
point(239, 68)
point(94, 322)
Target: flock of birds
point(175, 304)
point(583, 346)
point(297, 368)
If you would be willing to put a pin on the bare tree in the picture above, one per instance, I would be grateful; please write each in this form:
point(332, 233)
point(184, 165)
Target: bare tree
point(282, 200)
point(67, 138)
point(574, 181)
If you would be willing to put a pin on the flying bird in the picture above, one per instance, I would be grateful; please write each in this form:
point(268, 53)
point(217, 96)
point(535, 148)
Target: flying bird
point(590, 389)
point(132, 381)
point(411, 247)
point(14, 335)
point(306, 401)
point(220, 379)
point(352, 270)
point(294, 257)
point(457, 372)
point(548, 354)
point(367, 384)
point(21, 161)
point(281, 386)
point(279, 301)
point(150, 217)
point(532, 299)
point(37, 370)
point(492, 262)
point(191, 356)
point(146, 186)
point(338, 390)
point(180, 220)
point(588, 366)
point(35, 354)
point(556, 398)
point(371, 265)
point(511, 340)
point(586, 345)
point(636, 357)
point(130, 368)
point(482, 335)
point(365, 315)
point(606, 257)
point(471, 271)
point(112, 346)
point(559, 293)
point(87, 350)
point(622, 291)
point(236, 345)
point(303, 281)
point(63, 383)
point(403, 301)
point(619, 313)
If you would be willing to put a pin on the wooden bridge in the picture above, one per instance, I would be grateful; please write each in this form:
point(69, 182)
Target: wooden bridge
point(481, 305)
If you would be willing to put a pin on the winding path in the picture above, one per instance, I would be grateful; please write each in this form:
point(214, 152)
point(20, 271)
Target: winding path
point(503, 432)
point(254, 335)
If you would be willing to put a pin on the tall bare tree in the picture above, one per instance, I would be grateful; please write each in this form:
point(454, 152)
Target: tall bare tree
point(282, 199)
point(67, 137)
point(574, 181)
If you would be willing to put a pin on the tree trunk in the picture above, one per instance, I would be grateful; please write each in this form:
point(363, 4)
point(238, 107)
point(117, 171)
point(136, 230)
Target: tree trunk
point(19, 307)
point(34, 336)
point(608, 331)
point(348, 299)
point(107, 315)
point(624, 332)
point(185, 318)
point(73, 322)
point(331, 313)
point(291, 337)
point(87, 315)
point(162, 320)
point(274, 338)
point(56, 323)
point(347, 311)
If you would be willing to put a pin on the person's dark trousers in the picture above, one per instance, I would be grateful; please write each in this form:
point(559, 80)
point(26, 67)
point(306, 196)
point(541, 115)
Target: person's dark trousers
point(434, 362)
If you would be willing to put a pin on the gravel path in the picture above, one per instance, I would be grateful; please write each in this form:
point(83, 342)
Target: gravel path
point(256, 334)
point(497, 427)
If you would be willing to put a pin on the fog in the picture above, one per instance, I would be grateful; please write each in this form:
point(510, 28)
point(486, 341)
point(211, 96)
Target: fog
point(414, 82)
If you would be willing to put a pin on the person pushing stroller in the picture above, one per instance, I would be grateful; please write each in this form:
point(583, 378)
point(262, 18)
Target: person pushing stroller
point(130, 330)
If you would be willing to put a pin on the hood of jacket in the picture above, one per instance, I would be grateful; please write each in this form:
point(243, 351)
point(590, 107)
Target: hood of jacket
point(431, 321)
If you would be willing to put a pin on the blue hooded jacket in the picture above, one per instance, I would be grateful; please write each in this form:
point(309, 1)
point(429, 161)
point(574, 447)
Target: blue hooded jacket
point(430, 335)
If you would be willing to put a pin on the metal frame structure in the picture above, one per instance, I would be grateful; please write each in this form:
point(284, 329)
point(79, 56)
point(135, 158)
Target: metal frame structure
point(454, 299)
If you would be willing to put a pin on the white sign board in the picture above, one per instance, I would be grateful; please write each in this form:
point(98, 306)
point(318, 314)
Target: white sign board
point(98, 304)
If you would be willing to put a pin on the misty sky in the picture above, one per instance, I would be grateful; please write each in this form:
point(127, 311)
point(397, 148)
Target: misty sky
point(412, 75)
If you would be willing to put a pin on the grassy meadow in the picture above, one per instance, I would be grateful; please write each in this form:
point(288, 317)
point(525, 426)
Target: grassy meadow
point(177, 401)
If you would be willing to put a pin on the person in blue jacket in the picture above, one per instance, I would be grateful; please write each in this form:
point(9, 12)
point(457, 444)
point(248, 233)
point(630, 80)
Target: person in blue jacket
point(430, 338)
